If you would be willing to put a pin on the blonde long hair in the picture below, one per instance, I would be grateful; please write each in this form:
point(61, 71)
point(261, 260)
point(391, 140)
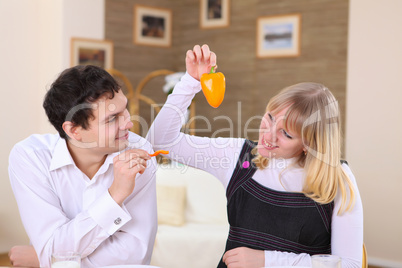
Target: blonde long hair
point(313, 114)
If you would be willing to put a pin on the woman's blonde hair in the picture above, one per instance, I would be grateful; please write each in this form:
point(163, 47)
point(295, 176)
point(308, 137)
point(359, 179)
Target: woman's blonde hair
point(314, 115)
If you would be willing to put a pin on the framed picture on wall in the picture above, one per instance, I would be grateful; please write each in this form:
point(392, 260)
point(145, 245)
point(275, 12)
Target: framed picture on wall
point(278, 36)
point(214, 13)
point(152, 26)
point(92, 52)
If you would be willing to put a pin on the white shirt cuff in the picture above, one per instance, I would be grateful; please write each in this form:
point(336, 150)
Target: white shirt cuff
point(108, 214)
point(188, 82)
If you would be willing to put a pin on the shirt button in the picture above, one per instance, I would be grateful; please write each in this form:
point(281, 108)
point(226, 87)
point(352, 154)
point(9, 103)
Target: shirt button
point(117, 221)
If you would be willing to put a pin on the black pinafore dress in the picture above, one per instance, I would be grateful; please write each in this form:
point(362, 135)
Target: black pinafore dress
point(265, 219)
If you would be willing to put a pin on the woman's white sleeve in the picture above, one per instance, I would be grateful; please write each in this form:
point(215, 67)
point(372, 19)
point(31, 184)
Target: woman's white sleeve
point(215, 155)
point(347, 229)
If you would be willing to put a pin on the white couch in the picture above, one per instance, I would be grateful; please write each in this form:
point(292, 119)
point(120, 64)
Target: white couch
point(192, 218)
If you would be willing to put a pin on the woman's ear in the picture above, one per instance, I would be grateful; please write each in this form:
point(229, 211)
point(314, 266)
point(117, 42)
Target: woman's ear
point(72, 130)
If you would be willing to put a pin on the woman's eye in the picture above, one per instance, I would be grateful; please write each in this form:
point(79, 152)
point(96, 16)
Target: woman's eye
point(271, 117)
point(286, 134)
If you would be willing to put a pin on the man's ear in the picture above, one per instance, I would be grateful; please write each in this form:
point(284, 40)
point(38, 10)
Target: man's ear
point(72, 130)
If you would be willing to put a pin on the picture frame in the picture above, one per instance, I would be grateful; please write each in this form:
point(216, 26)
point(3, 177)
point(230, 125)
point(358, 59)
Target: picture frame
point(278, 36)
point(86, 51)
point(214, 13)
point(152, 26)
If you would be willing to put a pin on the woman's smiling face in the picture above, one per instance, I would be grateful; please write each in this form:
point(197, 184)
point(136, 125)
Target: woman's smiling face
point(275, 141)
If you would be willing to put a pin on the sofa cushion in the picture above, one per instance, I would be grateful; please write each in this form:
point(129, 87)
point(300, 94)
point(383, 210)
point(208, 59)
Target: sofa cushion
point(171, 202)
point(206, 200)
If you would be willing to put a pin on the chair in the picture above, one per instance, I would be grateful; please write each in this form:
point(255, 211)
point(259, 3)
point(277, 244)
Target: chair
point(364, 261)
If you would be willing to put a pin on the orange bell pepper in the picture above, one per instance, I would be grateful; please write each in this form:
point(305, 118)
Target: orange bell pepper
point(213, 86)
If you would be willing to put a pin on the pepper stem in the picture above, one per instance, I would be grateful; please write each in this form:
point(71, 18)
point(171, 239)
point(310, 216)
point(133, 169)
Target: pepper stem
point(212, 70)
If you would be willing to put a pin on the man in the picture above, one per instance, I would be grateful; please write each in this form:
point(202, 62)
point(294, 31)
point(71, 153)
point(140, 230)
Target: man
point(91, 187)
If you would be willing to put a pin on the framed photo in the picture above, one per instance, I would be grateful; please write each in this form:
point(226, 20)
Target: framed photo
point(214, 13)
point(278, 36)
point(152, 26)
point(92, 52)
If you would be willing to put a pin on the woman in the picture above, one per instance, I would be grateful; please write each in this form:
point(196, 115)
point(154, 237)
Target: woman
point(289, 195)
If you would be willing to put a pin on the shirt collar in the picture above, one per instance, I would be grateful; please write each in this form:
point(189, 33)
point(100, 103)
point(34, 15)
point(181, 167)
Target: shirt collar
point(109, 159)
point(61, 156)
point(135, 142)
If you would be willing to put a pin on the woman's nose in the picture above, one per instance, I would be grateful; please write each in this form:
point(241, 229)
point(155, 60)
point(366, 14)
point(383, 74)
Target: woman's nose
point(271, 134)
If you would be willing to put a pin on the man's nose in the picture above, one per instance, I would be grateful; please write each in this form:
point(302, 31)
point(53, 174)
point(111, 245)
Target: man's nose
point(126, 122)
point(129, 124)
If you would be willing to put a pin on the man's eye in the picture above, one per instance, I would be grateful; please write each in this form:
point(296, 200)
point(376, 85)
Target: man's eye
point(111, 119)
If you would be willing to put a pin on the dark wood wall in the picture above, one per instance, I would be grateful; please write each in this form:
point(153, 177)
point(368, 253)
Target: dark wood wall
point(250, 81)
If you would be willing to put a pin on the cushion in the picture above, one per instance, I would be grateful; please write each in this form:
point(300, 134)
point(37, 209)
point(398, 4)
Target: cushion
point(206, 199)
point(171, 202)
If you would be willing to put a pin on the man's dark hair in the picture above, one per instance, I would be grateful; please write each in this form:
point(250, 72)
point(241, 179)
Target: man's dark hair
point(73, 91)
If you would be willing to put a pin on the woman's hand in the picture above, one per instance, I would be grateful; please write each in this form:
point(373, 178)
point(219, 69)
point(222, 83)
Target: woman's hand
point(244, 258)
point(199, 61)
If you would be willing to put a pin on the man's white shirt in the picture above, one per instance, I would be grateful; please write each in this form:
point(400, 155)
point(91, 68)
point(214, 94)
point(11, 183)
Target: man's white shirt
point(63, 210)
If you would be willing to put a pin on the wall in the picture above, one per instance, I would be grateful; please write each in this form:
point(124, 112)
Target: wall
point(374, 126)
point(323, 56)
point(33, 51)
point(23, 88)
point(137, 61)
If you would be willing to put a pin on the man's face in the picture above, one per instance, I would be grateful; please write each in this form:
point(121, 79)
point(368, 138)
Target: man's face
point(108, 129)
